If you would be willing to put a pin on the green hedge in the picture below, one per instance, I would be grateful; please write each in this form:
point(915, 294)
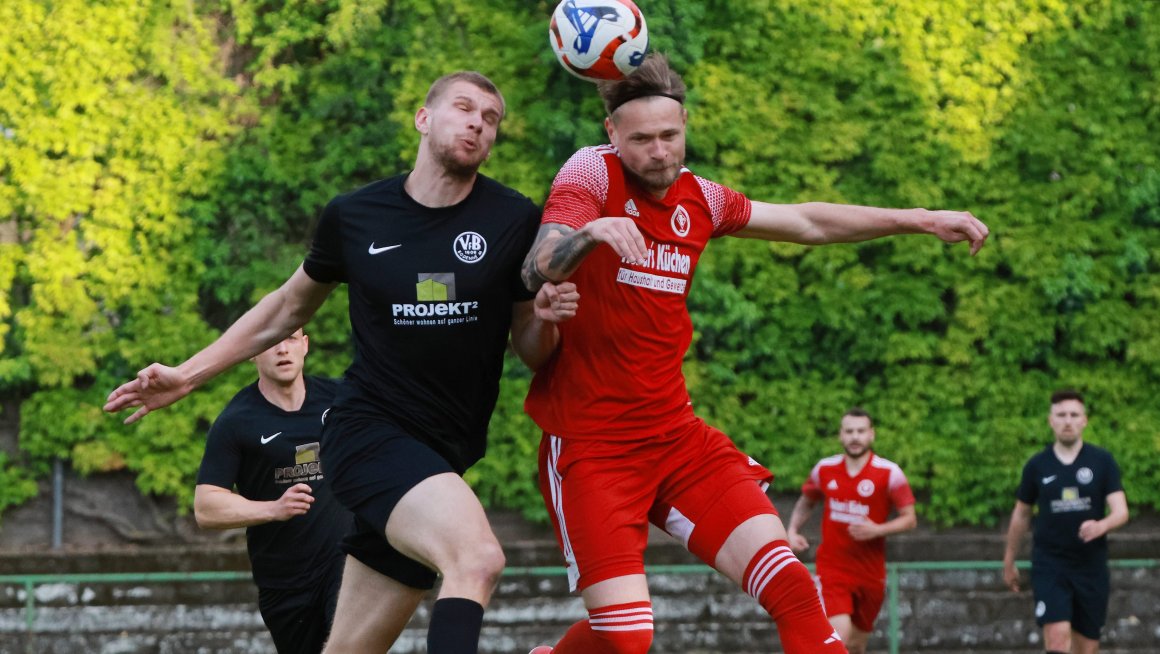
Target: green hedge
point(162, 165)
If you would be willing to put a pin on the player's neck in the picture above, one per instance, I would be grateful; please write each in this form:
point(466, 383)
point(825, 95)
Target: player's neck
point(854, 464)
point(1067, 453)
point(431, 185)
point(288, 397)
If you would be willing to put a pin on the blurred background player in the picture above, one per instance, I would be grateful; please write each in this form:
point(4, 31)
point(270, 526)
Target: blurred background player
point(432, 261)
point(627, 222)
point(860, 490)
point(1077, 490)
point(266, 444)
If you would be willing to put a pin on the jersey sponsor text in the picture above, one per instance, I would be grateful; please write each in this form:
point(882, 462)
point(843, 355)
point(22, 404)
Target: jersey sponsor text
point(648, 280)
point(434, 313)
point(848, 511)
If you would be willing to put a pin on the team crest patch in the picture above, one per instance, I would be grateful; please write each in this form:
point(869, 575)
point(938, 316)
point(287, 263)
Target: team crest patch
point(680, 221)
point(865, 488)
point(470, 247)
point(1084, 475)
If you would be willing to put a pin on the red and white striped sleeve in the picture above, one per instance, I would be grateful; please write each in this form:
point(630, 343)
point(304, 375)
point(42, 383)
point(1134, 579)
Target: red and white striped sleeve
point(812, 487)
point(579, 191)
point(730, 209)
point(900, 493)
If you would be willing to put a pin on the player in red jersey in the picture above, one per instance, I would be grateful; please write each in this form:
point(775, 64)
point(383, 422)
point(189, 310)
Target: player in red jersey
point(861, 490)
point(627, 223)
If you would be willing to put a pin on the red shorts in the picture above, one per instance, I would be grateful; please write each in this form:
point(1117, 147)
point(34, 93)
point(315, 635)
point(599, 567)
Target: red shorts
point(861, 600)
point(692, 482)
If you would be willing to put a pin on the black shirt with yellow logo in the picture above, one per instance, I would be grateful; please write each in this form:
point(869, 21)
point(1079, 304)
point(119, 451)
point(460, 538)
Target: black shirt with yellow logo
point(1067, 495)
point(431, 294)
point(263, 450)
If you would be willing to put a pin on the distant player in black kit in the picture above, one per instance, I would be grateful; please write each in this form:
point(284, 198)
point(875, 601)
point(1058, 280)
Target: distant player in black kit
point(266, 443)
point(1077, 489)
point(432, 260)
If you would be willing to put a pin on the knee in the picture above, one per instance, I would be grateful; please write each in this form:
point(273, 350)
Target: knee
point(480, 565)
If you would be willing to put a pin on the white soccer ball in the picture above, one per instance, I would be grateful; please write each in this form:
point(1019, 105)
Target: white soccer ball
point(598, 39)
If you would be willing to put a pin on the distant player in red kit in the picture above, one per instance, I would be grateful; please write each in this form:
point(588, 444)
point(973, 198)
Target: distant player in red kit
point(627, 222)
point(861, 490)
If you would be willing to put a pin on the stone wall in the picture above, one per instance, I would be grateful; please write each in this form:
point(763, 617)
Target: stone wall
point(952, 611)
point(110, 528)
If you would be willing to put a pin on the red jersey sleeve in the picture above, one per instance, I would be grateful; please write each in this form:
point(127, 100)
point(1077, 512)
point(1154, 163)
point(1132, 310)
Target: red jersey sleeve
point(730, 209)
point(579, 190)
point(812, 487)
point(900, 493)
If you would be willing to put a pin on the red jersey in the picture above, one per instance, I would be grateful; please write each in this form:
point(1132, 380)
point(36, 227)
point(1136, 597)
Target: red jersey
point(617, 373)
point(879, 487)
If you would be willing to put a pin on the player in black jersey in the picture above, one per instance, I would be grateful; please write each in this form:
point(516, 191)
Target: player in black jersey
point(1077, 489)
point(266, 443)
point(432, 260)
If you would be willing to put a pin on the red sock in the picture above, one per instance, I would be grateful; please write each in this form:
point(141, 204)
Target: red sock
point(615, 629)
point(782, 585)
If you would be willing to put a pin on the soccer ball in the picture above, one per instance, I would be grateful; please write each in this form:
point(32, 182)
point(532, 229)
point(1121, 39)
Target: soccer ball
point(598, 39)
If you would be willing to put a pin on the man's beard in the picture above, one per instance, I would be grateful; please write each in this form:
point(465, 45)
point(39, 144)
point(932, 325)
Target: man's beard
point(850, 451)
point(655, 180)
point(455, 166)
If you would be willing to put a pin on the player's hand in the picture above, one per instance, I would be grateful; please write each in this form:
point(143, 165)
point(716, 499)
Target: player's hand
point(557, 302)
point(797, 542)
point(1091, 530)
point(622, 234)
point(1011, 576)
point(155, 387)
point(294, 502)
point(955, 226)
point(866, 530)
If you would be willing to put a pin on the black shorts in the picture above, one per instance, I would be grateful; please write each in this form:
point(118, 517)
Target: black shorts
point(299, 619)
point(371, 464)
point(1067, 592)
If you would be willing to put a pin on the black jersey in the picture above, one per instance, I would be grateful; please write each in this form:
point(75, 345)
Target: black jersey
point(264, 450)
point(431, 294)
point(1068, 495)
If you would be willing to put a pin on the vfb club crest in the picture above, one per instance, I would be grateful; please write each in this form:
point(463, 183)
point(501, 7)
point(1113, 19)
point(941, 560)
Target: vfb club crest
point(470, 247)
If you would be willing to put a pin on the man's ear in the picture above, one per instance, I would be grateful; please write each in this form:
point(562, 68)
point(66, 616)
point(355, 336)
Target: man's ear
point(422, 120)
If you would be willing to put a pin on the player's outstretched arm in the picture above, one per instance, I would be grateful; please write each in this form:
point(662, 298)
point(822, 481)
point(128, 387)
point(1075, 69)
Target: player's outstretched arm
point(215, 507)
point(534, 333)
point(275, 317)
point(817, 223)
point(559, 249)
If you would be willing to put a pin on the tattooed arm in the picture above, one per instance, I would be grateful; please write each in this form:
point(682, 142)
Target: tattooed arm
point(559, 249)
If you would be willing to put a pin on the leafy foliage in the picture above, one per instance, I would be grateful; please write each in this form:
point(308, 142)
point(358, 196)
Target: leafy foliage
point(162, 165)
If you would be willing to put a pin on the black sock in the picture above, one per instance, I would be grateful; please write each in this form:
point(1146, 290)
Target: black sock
point(455, 625)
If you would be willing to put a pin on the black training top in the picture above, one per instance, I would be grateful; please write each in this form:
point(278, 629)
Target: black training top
point(264, 450)
point(431, 294)
point(1068, 495)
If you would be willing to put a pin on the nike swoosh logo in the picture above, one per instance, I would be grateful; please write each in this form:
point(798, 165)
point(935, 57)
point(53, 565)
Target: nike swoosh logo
point(1048, 480)
point(267, 439)
point(374, 250)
